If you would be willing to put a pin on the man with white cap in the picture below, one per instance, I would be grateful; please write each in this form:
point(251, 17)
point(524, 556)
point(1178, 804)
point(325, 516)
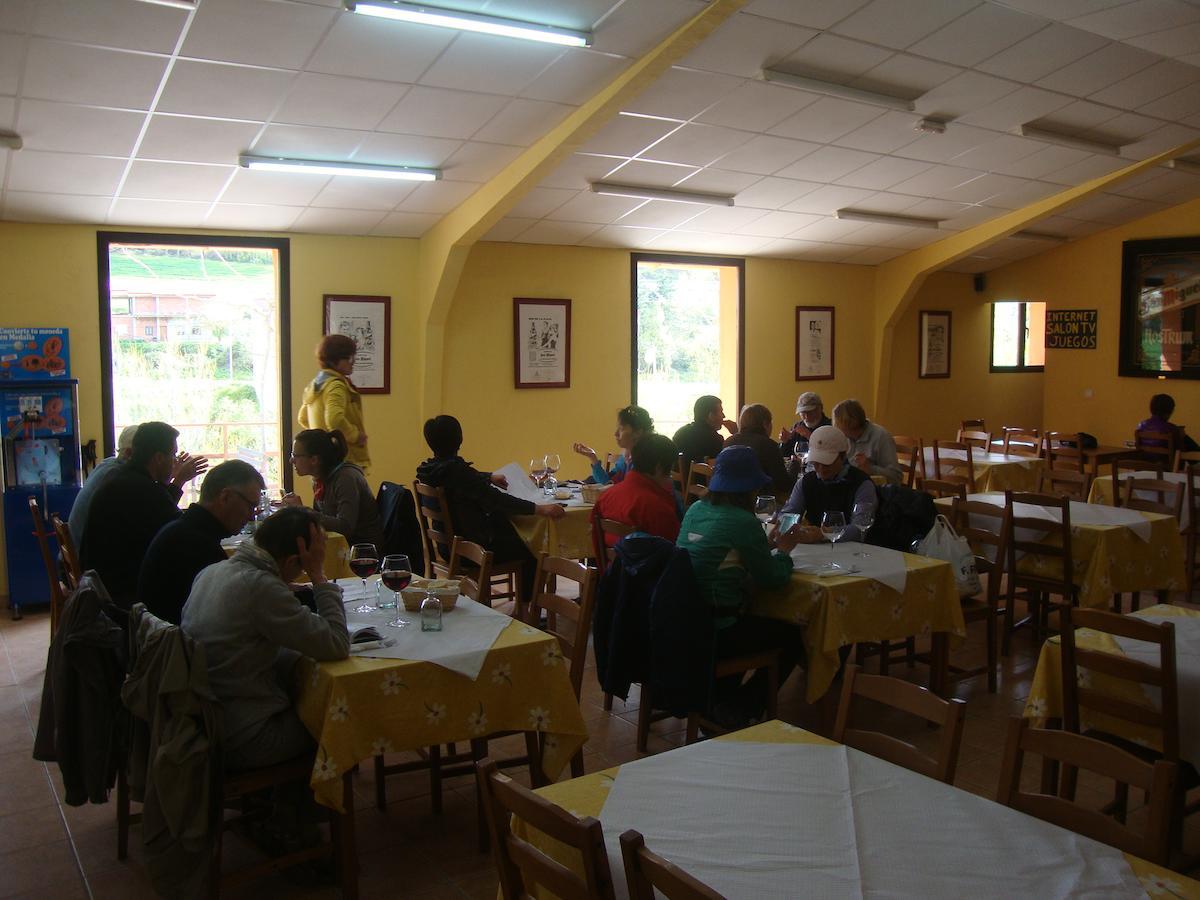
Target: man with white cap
point(832, 485)
point(104, 470)
point(811, 411)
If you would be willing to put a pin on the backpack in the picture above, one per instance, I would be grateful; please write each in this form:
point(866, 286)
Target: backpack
point(903, 516)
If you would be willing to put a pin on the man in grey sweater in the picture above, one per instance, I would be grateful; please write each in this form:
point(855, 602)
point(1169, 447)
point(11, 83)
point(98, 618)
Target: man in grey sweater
point(254, 629)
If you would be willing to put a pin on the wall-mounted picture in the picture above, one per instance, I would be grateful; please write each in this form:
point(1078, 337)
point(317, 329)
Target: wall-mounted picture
point(1160, 295)
point(369, 321)
point(934, 358)
point(541, 343)
point(814, 343)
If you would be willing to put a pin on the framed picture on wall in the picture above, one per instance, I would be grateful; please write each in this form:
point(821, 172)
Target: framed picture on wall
point(1160, 296)
point(814, 343)
point(541, 343)
point(369, 321)
point(934, 358)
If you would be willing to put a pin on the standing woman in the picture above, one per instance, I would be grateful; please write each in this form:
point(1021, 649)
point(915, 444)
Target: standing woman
point(340, 490)
point(632, 423)
point(331, 402)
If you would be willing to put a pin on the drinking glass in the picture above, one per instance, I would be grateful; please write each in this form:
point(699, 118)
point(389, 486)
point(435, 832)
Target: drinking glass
point(764, 508)
point(863, 515)
point(364, 560)
point(396, 573)
point(537, 471)
point(552, 463)
point(833, 526)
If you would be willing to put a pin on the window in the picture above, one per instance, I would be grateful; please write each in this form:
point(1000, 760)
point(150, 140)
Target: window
point(149, 331)
point(1018, 336)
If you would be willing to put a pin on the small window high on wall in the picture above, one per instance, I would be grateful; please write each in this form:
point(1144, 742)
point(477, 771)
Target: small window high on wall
point(1018, 336)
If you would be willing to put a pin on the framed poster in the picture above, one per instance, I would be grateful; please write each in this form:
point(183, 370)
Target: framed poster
point(369, 321)
point(34, 354)
point(814, 343)
point(541, 343)
point(1160, 295)
point(934, 349)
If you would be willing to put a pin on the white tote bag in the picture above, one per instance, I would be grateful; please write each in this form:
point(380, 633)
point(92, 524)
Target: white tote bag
point(943, 542)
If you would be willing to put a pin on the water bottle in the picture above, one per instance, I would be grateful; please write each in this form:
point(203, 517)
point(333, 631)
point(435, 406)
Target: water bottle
point(431, 613)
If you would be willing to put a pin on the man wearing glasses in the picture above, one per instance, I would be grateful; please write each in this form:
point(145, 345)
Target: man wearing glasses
point(229, 498)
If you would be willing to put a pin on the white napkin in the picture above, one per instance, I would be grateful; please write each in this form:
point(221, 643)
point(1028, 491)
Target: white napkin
point(519, 484)
point(880, 564)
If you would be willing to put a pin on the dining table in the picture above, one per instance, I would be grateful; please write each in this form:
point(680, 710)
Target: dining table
point(569, 537)
point(774, 811)
point(337, 552)
point(994, 471)
point(1102, 490)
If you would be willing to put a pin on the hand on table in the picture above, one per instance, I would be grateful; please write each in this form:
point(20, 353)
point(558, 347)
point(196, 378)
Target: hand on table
point(188, 467)
point(786, 540)
point(312, 554)
point(550, 510)
point(584, 450)
point(500, 481)
point(808, 534)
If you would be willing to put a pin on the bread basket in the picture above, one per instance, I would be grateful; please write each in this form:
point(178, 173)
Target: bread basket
point(445, 589)
point(591, 492)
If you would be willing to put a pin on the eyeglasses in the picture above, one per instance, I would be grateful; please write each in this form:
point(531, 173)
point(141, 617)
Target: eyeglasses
point(252, 504)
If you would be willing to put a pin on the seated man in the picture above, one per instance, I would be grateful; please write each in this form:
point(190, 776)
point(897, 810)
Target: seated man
point(1162, 407)
point(811, 411)
point(871, 447)
point(228, 500)
point(645, 498)
point(105, 469)
point(701, 439)
point(479, 510)
point(133, 505)
point(833, 485)
point(253, 630)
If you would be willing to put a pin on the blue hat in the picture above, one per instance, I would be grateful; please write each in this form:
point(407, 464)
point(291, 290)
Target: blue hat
point(737, 470)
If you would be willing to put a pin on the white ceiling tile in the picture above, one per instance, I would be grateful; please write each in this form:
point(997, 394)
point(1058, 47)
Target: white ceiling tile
point(957, 139)
point(966, 94)
point(580, 15)
point(1179, 43)
point(174, 181)
point(75, 74)
point(628, 135)
point(765, 155)
point(777, 224)
point(717, 181)
point(1043, 162)
point(721, 220)
point(1025, 104)
point(1004, 149)
point(1150, 84)
point(661, 214)
point(12, 56)
point(196, 140)
point(984, 31)
point(273, 187)
point(579, 170)
point(1162, 139)
point(575, 77)
point(623, 236)
point(889, 132)
point(933, 209)
point(632, 29)
point(478, 162)
point(378, 48)
point(970, 217)
point(126, 24)
point(346, 192)
point(824, 201)
point(1178, 105)
point(406, 150)
point(903, 238)
point(252, 217)
point(8, 114)
point(437, 197)
point(936, 180)
point(162, 213)
point(1124, 128)
point(1086, 169)
point(978, 190)
point(827, 228)
point(827, 164)
point(597, 209)
point(35, 170)
point(567, 233)
point(900, 23)
point(683, 93)
point(539, 201)
point(841, 58)
point(1019, 197)
point(1080, 116)
point(226, 91)
point(819, 14)
point(1134, 19)
point(1164, 185)
point(435, 112)
point(400, 224)
point(259, 32)
point(889, 203)
point(1097, 70)
point(650, 174)
point(697, 145)
point(883, 173)
point(499, 65)
point(522, 122)
point(338, 102)
point(507, 229)
point(906, 76)
point(20, 206)
point(307, 142)
point(807, 250)
point(756, 106)
point(1061, 9)
point(773, 193)
point(827, 120)
point(744, 45)
point(59, 126)
point(1113, 210)
point(16, 15)
point(1065, 225)
point(873, 256)
point(337, 221)
point(702, 242)
point(1051, 49)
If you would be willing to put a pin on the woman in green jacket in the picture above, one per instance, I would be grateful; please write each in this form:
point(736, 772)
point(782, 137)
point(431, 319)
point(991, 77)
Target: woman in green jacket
point(331, 402)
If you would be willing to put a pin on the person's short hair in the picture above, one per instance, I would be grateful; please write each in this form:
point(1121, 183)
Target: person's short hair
point(125, 438)
point(230, 474)
point(1162, 405)
point(636, 418)
point(328, 446)
point(704, 407)
point(849, 412)
point(278, 533)
point(652, 452)
point(444, 435)
point(755, 419)
point(152, 438)
point(333, 348)
point(740, 499)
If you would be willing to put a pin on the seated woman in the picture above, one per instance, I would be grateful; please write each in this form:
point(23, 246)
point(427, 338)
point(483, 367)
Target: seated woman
point(645, 498)
point(833, 485)
point(871, 447)
point(730, 553)
point(340, 490)
point(754, 431)
point(632, 423)
point(1162, 407)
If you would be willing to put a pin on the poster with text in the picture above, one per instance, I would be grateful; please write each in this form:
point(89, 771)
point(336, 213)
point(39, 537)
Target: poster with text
point(814, 343)
point(368, 320)
point(34, 354)
point(541, 342)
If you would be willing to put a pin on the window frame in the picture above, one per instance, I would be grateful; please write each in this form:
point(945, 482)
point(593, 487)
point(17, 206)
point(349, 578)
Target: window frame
point(1023, 306)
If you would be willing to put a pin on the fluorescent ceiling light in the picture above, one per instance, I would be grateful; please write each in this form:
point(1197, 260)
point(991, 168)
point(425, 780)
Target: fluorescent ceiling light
point(468, 21)
point(11, 141)
point(858, 215)
point(1184, 165)
point(1041, 236)
point(177, 4)
point(832, 89)
point(1068, 140)
point(651, 193)
point(322, 167)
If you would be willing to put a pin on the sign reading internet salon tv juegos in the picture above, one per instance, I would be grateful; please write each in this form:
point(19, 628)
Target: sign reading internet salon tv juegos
point(1160, 297)
point(1071, 329)
point(34, 354)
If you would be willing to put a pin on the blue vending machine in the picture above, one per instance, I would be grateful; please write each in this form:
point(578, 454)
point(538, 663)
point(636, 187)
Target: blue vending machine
point(41, 458)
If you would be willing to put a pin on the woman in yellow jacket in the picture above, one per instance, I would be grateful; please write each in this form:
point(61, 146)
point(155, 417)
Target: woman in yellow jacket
point(332, 402)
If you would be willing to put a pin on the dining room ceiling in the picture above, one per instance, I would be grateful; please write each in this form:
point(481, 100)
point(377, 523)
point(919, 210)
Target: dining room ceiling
point(132, 113)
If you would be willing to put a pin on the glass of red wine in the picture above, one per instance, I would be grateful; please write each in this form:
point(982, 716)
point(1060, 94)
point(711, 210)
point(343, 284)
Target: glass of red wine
point(364, 560)
point(396, 573)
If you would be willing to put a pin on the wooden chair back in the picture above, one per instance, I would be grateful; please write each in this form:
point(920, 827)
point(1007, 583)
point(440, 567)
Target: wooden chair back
point(952, 469)
point(573, 631)
point(1185, 459)
point(937, 488)
point(911, 698)
point(972, 425)
point(600, 528)
point(72, 568)
point(1019, 441)
point(1158, 779)
point(472, 566)
point(1065, 483)
point(1167, 495)
point(57, 594)
point(679, 474)
point(522, 867)
point(980, 440)
point(649, 875)
point(699, 474)
point(985, 527)
point(1063, 451)
point(437, 530)
point(1159, 446)
point(910, 456)
point(1048, 539)
point(1191, 533)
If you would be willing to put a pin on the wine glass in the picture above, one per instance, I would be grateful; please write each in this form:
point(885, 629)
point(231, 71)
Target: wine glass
point(396, 573)
point(764, 508)
point(364, 560)
point(833, 526)
point(537, 471)
point(863, 515)
point(552, 462)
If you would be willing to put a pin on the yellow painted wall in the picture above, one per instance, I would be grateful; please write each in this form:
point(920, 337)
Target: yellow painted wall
point(1081, 388)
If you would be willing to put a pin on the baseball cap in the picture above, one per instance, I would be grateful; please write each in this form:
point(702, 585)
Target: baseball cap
point(738, 470)
point(825, 445)
point(808, 401)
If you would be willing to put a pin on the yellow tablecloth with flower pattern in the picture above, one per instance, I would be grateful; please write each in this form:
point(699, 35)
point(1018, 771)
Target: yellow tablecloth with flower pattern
point(852, 609)
point(360, 707)
point(1111, 559)
point(337, 553)
point(569, 537)
point(586, 796)
point(997, 472)
point(1045, 699)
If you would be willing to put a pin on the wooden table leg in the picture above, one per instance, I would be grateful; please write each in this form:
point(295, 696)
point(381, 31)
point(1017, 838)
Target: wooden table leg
point(939, 662)
point(345, 849)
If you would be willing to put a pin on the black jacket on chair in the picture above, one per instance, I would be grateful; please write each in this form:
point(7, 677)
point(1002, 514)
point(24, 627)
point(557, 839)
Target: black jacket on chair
point(401, 530)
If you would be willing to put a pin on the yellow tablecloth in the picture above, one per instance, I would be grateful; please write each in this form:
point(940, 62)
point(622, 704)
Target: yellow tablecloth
point(569, 537)
point(359, 707)
point(996, 472)
point(1102, 490)
point(852, 609)
point(1045, 699)
point(585, 796)
point(1111, 559)
point(337, 555)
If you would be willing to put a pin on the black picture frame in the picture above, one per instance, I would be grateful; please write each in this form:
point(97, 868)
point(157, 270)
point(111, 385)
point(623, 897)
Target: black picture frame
point(1160, 308)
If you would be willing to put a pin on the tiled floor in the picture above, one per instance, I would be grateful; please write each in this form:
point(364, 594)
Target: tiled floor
point(48, 849)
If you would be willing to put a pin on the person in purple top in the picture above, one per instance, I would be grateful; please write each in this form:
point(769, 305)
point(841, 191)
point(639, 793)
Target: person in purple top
point(1161, 408)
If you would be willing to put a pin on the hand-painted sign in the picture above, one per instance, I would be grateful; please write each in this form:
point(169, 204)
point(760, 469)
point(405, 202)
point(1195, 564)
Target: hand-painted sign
point(1071, 329)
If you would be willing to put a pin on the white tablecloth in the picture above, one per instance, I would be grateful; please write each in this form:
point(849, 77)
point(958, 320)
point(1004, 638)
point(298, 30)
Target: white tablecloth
point(1081, 514)
point(979, 456)
point(1173, 477)
point(852, 558)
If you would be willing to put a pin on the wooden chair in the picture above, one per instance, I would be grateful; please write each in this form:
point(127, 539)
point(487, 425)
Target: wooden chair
point(472, 566)
point(938, 488)
point(1156, 446)
point(1132, 465)
point(679, 474)
point(1049, 540)
point(911, 698)
point(600, 528)
point(951, 469)
point(972, 425)
point(1185, 459)
point(698, 477)
point(1192, 499)
point(968, 517)
point(648, 874)
point(1019, 441)
point(1063, 747)
point(72, 570)
point(57, 591)
point(1063, 451)
point(726, 668)
point(909, 455)
point(1167, 499)
point(526, 871)
point(1065, 483)
point(980, 440)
